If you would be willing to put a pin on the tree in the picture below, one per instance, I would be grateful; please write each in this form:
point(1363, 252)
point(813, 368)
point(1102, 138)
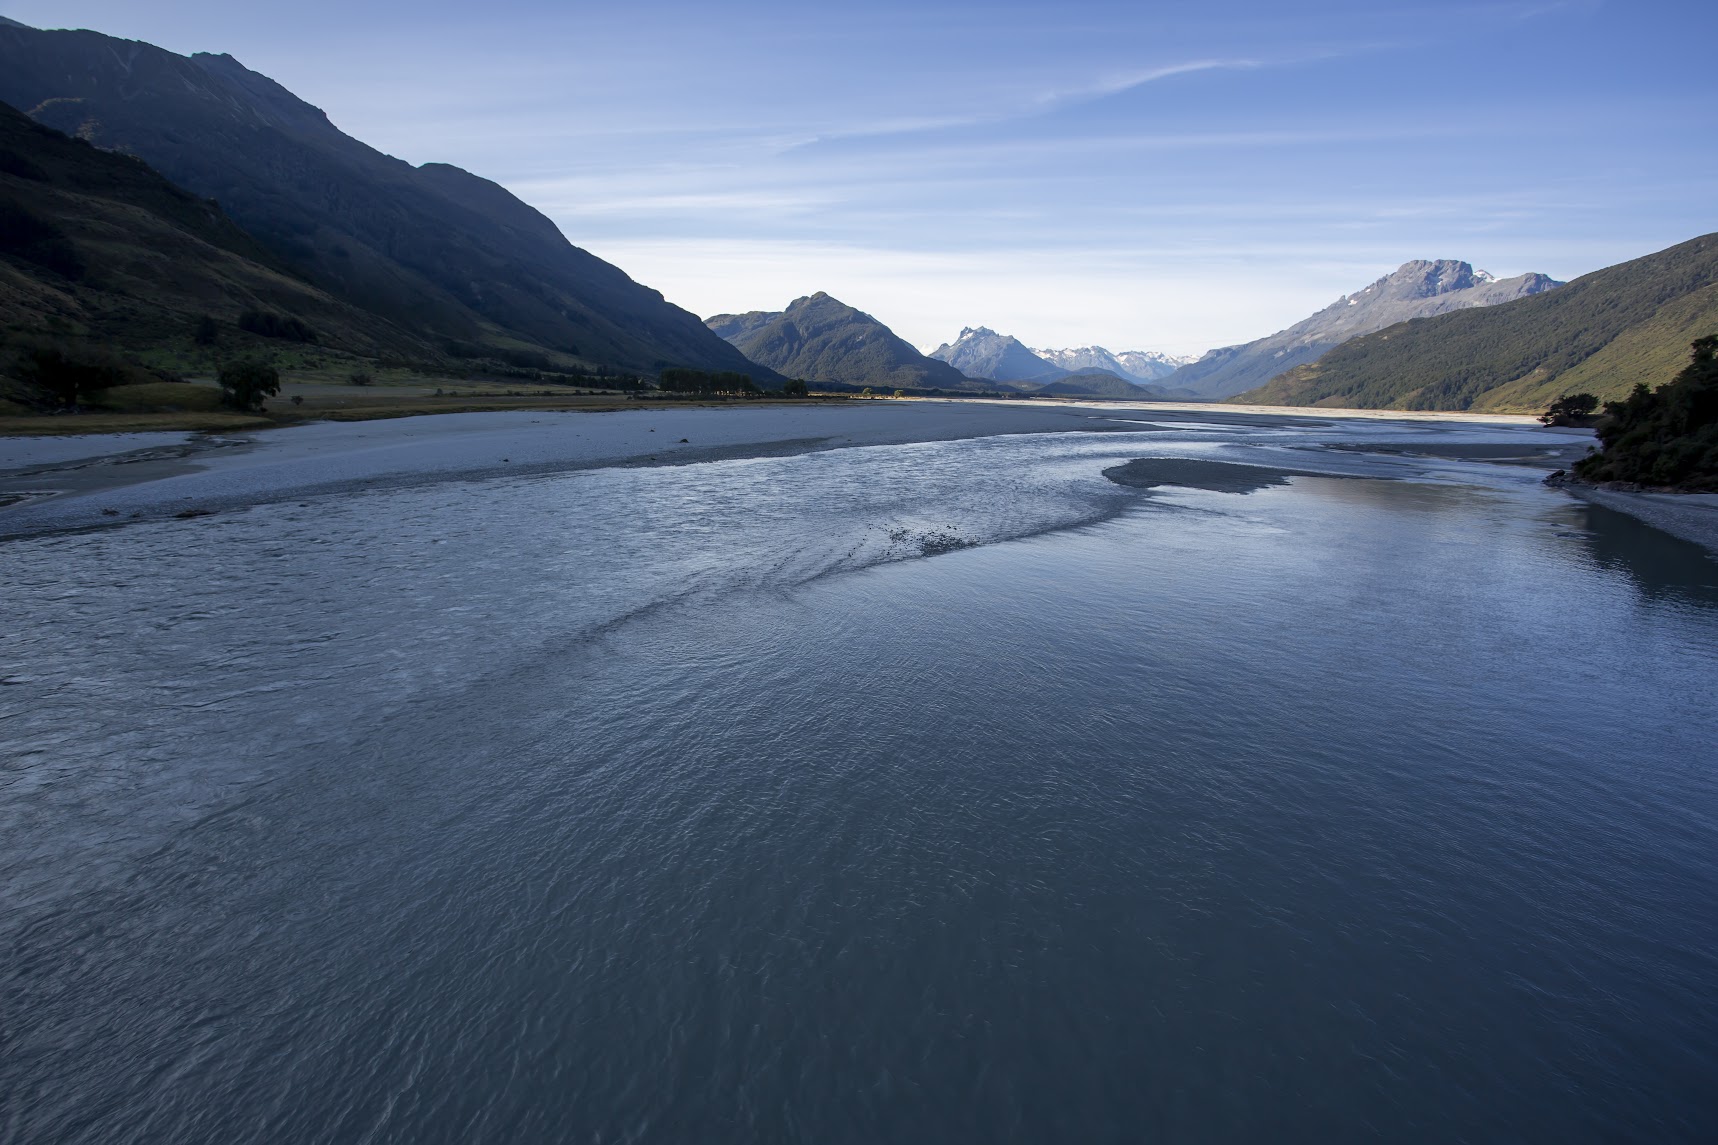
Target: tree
point(207, 332)
point(67, 375)
point(900, 393)
point(268, 324)
point(245, 385)
point(678, 379)
point(867, 393)
point(795, 388)
point(1570, 409)
point(359, 378)
point(1666, 437)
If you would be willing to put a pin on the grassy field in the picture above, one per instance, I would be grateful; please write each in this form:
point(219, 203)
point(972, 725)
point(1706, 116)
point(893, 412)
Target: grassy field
point(322, 396)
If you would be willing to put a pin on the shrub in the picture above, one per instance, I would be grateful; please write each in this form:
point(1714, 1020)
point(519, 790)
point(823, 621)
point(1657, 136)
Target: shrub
point(360, 378)
point(268, 324)
point(68, 376)
point(13, 163)
point(36, 240)
point(245, 385)
point(1570, 409)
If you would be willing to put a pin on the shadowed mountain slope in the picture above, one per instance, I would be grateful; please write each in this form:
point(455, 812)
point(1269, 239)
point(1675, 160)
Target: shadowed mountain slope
point(1099, 383)
point(1416, 289)
point(97, 245)
point(822, 339)
point(1602, 333)
point(438, 251)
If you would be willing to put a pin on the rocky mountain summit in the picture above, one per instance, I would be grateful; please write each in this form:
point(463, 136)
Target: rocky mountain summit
point(822, 339)
point(981, 352)
point(1418, 289)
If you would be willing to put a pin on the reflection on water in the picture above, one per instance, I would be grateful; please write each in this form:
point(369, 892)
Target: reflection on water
point(699, 804)
point(1656, 562)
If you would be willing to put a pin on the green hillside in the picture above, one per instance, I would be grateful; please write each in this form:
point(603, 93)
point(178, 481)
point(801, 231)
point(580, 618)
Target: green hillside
point(1602, 333)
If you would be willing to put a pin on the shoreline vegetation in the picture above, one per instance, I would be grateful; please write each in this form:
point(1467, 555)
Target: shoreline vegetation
point(1664, 439)
point(1658, 459)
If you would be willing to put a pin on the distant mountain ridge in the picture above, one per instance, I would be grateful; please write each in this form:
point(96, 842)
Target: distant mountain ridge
point(1602, 333)
point(1134, 365)
point(822, 339)
point(981, 353)
point(1418, 289)
point(437, 251)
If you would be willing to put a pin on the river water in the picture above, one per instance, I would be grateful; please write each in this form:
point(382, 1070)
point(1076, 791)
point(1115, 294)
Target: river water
point(942, 792)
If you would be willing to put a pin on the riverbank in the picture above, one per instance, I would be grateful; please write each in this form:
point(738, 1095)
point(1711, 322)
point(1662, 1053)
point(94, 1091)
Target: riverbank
point(50, 484)
point(57, 483)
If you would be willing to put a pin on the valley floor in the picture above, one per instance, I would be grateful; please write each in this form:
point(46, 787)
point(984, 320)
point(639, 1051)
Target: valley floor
point(50, 484)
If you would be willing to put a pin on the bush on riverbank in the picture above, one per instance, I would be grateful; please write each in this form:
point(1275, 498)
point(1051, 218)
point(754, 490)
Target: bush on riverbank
point(1666, 438)
point(51, 375)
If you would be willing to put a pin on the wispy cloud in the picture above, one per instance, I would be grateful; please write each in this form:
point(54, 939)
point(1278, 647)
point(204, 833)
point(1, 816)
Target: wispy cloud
point(1129, 81)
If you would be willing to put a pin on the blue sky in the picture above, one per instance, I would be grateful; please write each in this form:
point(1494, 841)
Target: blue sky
point(1140, 175)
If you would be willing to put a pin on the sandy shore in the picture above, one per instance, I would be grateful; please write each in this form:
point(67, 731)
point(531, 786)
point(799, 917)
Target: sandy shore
point(54, 483)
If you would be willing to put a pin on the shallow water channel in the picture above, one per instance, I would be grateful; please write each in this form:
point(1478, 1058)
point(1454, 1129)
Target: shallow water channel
point(941, 792)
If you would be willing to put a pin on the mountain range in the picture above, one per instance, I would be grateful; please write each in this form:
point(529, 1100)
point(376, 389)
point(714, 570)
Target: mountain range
point(1135, 365)
point(981, 352)
point(1602, 334)
point(822, 339)
point(454, 261)
point(1418, 289)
